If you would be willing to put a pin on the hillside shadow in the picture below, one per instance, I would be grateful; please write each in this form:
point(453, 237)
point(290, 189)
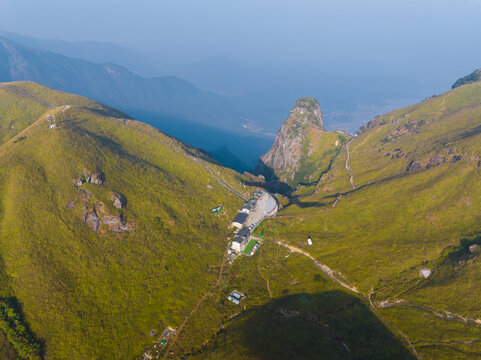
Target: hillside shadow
point(25, 340)
point(272, 182)
point(246, 147)
point(328, 325)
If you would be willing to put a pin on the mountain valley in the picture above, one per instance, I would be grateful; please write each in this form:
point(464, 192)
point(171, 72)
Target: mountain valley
point(108, 236)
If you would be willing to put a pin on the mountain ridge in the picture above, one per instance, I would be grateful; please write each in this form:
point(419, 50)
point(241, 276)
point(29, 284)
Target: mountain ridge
point(169, 103)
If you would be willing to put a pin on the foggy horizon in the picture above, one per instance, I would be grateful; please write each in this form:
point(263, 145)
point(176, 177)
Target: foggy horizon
point(403, 39)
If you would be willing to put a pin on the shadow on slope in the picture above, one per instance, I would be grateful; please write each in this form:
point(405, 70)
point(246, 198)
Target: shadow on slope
point(247, 147)
point(272, 183)
point(328, 325)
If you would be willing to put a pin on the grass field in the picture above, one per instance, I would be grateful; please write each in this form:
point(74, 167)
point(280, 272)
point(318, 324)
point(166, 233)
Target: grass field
point(399, 220)
point(88, 295)
point(250, 246)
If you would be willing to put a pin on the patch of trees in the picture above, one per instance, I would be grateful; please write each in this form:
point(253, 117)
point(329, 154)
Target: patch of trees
point(17, 333)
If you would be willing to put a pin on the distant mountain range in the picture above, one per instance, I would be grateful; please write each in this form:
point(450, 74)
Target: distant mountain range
point(94, 51)
point(202, 118)
point(263, 94)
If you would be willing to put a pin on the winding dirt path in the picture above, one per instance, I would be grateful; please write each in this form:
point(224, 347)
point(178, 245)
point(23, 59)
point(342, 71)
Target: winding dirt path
point(351, 179)
point(195, 309)
point(374, 309)
point(334, 276)
point(442, 314)
point(263, 278)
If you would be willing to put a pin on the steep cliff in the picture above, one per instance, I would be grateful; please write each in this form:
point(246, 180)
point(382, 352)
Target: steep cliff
point(302, 147)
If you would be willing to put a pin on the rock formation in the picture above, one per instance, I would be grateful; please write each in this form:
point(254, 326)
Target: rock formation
point(118, 200)
point(283, 158)
point(93, 220)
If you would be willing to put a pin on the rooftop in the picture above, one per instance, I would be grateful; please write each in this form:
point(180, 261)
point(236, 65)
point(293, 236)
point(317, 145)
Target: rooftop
point(244, 232)
point(238, 239)
point(241, 218)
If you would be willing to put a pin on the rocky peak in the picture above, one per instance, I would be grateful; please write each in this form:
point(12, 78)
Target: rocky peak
point(306, 112)
point(475, 76)
point(282, 161)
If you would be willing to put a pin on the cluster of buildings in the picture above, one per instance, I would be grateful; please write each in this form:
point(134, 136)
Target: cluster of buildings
point(241, 239)
point(249, 215)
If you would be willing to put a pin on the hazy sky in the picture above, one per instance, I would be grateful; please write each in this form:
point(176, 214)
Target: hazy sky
point(408, 37)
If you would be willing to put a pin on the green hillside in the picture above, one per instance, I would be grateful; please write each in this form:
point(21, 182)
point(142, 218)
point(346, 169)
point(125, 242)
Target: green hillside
point(402, 196)
point(88, 294)
point(107, 238)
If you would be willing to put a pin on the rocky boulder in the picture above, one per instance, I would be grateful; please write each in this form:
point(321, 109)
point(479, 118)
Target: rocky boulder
point(96, 178)
point(414, 165)
point(93, 220)
point(118, 200)
point(119, 228)
point(111, 220)
point(435, 161)
point(474, 248)
point(78, 182)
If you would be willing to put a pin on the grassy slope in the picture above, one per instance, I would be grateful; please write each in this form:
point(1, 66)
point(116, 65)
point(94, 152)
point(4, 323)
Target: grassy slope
point(319, 150)
point(380, 235)
point(97, 295)
point(291, 312)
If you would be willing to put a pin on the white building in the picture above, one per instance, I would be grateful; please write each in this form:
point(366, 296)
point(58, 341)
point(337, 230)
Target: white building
point(239, 243)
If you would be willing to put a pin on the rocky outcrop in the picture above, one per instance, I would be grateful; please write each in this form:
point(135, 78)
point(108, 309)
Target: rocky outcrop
point(111, 220)
point(93, 220)
point(475, 76)
point(78, 182)
point(95, 178)
point(98, 219)
point(119, 228)
point(435, 160)
point(283, 159)
point(118, 200)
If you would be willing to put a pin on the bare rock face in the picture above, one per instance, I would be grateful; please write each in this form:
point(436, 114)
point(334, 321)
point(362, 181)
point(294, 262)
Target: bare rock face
point(414, 165)
point(78, 182)
point(118, 200)
point(119, 228)
point(96, 178)
point(93, 220)
point(285, 153)
point(111, 220)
